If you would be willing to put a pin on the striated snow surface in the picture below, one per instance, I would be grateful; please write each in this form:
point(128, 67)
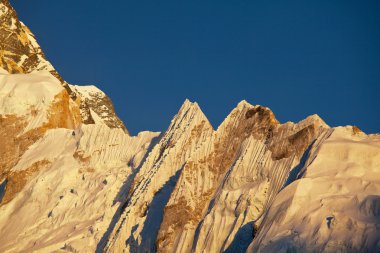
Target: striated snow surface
point(334, 206)
point(155, 180)
point(71, 201)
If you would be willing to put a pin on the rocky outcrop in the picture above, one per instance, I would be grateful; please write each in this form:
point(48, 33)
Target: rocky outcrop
point(20, 53)
point(19, 50)
point(95, 101)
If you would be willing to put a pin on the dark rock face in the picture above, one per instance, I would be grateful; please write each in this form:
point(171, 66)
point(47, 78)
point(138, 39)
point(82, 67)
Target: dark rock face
point(102, 105)
point(292, 143)
point(15, 40)
point(93, 99)
point(20, 53)
point(19, 50)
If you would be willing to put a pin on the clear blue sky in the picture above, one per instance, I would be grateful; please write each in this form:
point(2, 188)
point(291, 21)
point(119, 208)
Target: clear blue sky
point(296, 57)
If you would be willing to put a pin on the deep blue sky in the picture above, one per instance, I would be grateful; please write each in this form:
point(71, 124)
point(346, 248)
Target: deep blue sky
point(296, 57)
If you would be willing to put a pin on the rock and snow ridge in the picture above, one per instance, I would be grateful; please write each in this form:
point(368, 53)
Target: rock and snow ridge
point(20, 53)
point(73, 180)
point(61, 180)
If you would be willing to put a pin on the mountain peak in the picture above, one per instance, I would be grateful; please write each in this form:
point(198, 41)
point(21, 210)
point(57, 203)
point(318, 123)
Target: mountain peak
point(243, 103)
point(187, 104)
point(93, 100)
point(314, 119)
point(20, 52)
point(72, 180)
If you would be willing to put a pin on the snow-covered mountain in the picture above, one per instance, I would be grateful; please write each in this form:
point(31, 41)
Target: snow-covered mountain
point(72, 179)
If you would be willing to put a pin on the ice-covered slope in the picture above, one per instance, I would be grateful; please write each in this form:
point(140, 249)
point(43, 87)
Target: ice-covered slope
point(62, 171)
point(334, 206)
point(71, 193)
point(142, 213)
point(229, 183)
point(60, 179)
point(207, 187)
point(31, 96)
point(30, 104)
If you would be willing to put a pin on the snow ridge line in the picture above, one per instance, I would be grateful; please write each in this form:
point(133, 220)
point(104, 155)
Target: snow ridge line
point(264, 227)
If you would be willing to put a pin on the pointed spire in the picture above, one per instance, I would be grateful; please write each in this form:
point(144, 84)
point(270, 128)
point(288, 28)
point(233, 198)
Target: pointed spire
point(187, 105)
point(188, 108)
point(314, 119)
point(243, 103)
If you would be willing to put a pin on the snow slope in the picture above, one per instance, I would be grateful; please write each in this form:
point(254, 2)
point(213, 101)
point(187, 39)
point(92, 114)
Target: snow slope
point(334, 206)
point(28, 96)
point(231, 180)
point(152, 187)
point(31, 104)
point(70, 200)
